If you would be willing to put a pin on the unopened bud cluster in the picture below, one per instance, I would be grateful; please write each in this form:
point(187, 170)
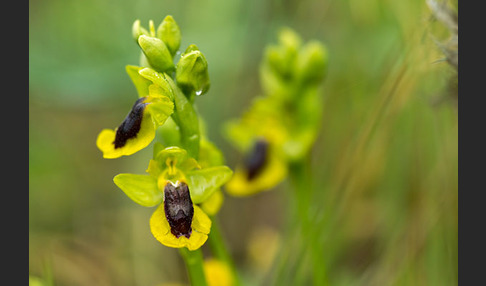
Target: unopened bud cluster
point(161, 45)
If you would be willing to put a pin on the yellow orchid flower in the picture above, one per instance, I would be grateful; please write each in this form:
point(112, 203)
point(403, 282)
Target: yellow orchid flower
point(177, 184)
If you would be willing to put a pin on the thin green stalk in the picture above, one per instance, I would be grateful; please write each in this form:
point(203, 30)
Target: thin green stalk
point(194, 266)
point(187, 119)
point(302, 184)
point(220, 250)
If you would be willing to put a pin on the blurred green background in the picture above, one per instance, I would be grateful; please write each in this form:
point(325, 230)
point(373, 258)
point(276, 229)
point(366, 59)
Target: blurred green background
point(385, 162)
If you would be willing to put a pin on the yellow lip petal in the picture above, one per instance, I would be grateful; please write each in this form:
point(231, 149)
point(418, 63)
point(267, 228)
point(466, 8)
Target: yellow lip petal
point(271, 175)
point(201, 225)
point(213, 204)
point(105, 140)
point(217, 273)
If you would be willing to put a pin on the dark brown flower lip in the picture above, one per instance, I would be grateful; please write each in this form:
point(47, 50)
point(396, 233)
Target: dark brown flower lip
point(256, 159)
point(179, 209)
point(131, 125)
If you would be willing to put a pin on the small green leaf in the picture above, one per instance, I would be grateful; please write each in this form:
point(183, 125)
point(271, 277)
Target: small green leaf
point(141, 189)
point(157, 53)
point(204, 182)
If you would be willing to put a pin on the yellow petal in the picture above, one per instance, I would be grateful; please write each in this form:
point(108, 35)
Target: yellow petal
point(144, 137)
point(217, 273)
point(271, 175)
point(201, 225)
point(201, 222)
point(213, 204)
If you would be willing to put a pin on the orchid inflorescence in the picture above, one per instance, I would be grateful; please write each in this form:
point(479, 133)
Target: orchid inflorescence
point(186, 172)
point(281, 125)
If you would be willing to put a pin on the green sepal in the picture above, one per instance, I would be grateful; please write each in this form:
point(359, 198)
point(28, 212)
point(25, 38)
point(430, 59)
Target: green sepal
point(141, 83)
point(157, 53)
point(141, 189)
point(192, 74)
point(203, 183)
point(169, 32)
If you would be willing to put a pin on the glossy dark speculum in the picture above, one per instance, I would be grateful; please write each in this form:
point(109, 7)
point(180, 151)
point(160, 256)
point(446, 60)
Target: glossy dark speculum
point(257, 159)
point(130, 126)
point(179, 210)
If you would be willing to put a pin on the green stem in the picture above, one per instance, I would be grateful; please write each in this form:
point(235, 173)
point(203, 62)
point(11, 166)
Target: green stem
point(194, 266)
point(185, 116)
point(302, 184)
point(219, 249)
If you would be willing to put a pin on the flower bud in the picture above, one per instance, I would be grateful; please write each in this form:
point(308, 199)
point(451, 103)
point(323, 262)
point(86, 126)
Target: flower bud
point(192, 72)
point(289, 39)
point(281, 58)
point(138, 30)
point(191, 48)
point(152, 28)
point(156, 52)
point(280, 61)
point(312, 62)
point(169, 32)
